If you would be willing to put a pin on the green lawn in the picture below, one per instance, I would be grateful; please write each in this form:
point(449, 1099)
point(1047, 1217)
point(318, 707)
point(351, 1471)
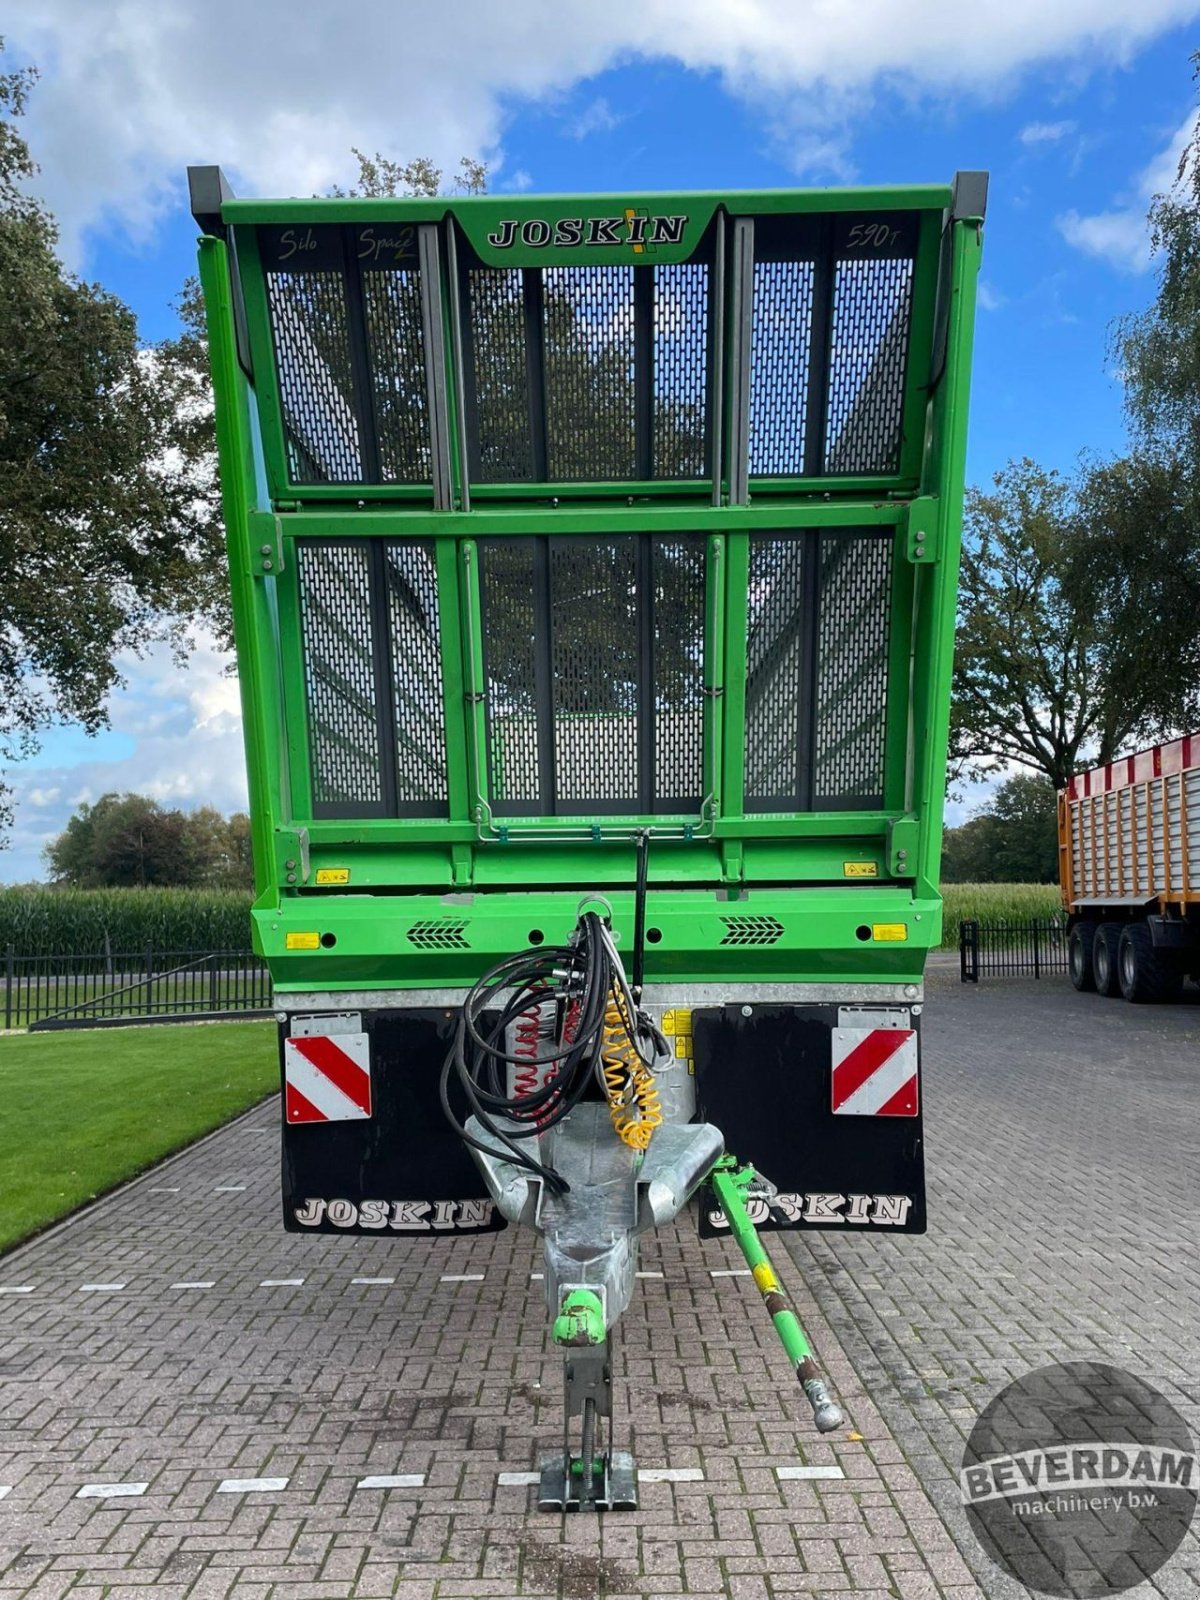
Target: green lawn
point(82, 1111)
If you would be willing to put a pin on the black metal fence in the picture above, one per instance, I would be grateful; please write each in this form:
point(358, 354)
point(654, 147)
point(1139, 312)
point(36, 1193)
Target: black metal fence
point(75, 991)
point(1033, 949)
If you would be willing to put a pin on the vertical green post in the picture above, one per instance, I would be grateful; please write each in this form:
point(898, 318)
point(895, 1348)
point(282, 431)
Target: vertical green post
point(940, 591)
point(256, 653)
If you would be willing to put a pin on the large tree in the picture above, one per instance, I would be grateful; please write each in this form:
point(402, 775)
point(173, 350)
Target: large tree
point(100, 551)
point(1076, 617)
point(1013, 839)
point(130, 841)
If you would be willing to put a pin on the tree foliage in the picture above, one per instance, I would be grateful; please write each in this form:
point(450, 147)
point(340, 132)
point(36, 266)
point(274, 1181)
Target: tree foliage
point(100, 554)
point(130, 841)
point(1014, 839)
point(1026, 677)
point(1158, 350)
point(1076, 624)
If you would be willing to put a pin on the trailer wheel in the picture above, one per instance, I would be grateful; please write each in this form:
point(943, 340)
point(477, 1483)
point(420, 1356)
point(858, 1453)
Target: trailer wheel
point(1079, 955)
point(1104, 959)
point(1144, 976)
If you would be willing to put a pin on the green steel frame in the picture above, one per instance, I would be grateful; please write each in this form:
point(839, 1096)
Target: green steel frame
point(502, 880)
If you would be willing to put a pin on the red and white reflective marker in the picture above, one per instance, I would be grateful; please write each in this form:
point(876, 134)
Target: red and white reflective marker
point(875, 1072)
point(327, 1078)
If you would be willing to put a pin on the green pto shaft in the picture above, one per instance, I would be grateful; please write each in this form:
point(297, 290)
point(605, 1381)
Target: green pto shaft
point(731, 1184)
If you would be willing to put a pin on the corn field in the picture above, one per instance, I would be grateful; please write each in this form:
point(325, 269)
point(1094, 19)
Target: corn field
point(995, 902)
point(45, 922)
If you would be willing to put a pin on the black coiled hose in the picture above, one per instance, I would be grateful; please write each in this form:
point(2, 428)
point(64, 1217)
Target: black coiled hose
point(578, 975)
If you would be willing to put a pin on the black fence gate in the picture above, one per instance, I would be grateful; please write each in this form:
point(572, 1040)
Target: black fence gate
point(1033, 949)
point(79, 991)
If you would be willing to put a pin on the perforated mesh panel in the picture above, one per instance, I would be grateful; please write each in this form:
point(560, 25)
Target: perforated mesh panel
point(852, 656)
point(816, 686)
point(680, 370)
point(775, 670)
point(582, 717)
point(396, 352)
point(337, 623)
point(502, 437)
point(587, 373)
point(594, 658)
point(370, 638)
point(510, 606)
point(679, 580)
point(872, 300)
point(832, 309)
point(414, 630)
point(588, 330)
point(779, 365)
point(316, 385)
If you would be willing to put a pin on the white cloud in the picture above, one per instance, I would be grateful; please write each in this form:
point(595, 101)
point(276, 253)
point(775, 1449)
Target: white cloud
point(1120, 236)
point(277, 93)
point(518, 180)
point(598, 117)
point(186, 728)
point(990, 299)
point(1034, 133)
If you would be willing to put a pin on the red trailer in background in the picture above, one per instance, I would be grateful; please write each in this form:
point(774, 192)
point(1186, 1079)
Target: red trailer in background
point(1129, 863)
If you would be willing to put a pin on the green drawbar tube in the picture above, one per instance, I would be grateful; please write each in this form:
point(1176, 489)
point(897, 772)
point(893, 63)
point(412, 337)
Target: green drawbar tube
point(730, 1184)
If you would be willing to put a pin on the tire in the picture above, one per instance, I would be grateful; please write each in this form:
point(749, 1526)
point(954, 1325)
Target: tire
point(1144, 976)
point(1079, 956)
point(1104, 959)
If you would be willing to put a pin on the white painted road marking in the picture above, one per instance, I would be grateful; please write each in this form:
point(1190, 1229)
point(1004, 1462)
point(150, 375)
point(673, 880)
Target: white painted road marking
point(17, 1288)
point(100, 1288)
point(5, 1488)
point(250, 1485)
point(515, 1480)
point(162, 1191)
point(201, 1283)
point(462, 1277)
point(729, 1272)
point(281, 1283)
point(671, 1475)
point(110, 1491)
point(230, 1188)
point(399, 1480)
point(372, 1280)
point(536, 1277)
point(788, 1474)
point(648, 1274)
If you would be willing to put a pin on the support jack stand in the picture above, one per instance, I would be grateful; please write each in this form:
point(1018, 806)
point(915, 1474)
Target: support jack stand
point(596, 1479)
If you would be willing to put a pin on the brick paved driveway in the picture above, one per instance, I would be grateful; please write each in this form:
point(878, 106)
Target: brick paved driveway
point(174, 1337)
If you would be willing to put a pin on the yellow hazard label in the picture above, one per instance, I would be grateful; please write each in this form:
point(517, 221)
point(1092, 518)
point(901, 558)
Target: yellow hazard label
point(302, 941)
point(890, 932)
point(764, 1277)
point(677, 1026)
point(333, 875)
point(860, 869)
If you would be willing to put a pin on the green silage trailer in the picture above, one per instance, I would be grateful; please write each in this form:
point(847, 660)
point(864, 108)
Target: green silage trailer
point(594, 569)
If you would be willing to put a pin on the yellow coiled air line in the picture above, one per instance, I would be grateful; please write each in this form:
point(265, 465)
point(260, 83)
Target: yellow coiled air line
point(633, 1102)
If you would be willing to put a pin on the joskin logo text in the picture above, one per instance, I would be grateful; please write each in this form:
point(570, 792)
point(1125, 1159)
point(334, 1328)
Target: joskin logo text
point(631, 228)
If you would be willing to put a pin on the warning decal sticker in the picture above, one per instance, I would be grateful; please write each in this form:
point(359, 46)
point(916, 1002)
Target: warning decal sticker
point(875, 1072)
point(327, 1078)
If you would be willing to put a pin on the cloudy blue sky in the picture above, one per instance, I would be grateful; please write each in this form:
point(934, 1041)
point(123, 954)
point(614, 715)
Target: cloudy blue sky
point(1078, 108)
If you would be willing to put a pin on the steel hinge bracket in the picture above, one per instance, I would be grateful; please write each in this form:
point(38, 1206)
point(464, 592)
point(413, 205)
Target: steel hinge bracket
point(266, 545)
point(922, 542)
point(903, 837)
point(292, 864)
